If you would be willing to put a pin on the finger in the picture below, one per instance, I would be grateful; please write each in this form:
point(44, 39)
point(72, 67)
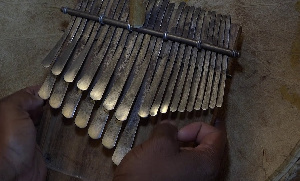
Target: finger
point(202, 134)
point(25, 100)
point(164, 136)
point(31, 101)
point(33, 90)
point(194, 132)
point(220, 125)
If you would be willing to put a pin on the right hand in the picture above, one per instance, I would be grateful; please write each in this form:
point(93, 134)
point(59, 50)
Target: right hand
point(161, 159)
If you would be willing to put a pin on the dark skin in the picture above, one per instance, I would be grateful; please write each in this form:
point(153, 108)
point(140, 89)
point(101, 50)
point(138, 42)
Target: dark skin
point(160, 158)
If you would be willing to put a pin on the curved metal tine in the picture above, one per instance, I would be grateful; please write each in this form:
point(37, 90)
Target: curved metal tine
point(126, 140)
point(84, 112)
point(111, 134)
point(87, 104)
point(61, 86)
point(46, 88)
point(124, 71)
point(110, 66)
point(71, 102)
point(195, 33)
point(198, 66)
point(98, 123)
point(176, 57)
point(73, 25)
point(224, 63)
point(151, 89)
point(58, 94)
point(95, 59)
point(216, 83)
point(207, 32)
point(142, 66)
point(212, 65)
point(184, 77)
point(63, 58)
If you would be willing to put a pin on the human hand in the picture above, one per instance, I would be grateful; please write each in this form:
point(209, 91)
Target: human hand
point(20, 157)
point(162, 159)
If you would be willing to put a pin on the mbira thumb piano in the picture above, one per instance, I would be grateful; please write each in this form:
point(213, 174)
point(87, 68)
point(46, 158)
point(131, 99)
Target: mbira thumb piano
point(106, 73)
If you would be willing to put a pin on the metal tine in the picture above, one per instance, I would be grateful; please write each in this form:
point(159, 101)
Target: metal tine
point(71, 102)
point(88, 39)
point(142, 65)
point(125, 69)
point(46, 88)
point(178, 56)
point(61, 86)
point(209, 25)
point(114, 126)
point(87, 104)
point(199, 63)
point(187, 87)
point(52, 55)
point(126, 140)
point(151, 90)
point(198, 66)
point(214, 94)
point(84, 112)
point(63, 58)
point(224, 63)
point(99, 121)
point(111, 134)
point(185, 64)
point(58, 93)
point(94, 61)
point(211, 70)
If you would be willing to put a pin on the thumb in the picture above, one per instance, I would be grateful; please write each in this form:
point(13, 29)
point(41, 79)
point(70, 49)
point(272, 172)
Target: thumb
point(164, 137)
point(25, 100)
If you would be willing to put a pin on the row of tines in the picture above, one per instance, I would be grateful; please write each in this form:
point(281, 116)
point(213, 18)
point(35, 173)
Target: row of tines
point(101, 70)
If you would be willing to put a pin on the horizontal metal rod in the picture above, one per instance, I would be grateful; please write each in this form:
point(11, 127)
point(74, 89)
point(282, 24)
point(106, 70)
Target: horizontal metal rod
point(165, 35)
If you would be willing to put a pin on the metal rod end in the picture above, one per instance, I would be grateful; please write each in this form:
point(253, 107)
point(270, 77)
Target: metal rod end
point(129, 27)
point(64, 10)
point(165, 37)
point(101, 19)
point(236, 54)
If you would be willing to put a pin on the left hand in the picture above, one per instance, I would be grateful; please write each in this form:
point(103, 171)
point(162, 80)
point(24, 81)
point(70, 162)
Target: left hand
point(20, 157)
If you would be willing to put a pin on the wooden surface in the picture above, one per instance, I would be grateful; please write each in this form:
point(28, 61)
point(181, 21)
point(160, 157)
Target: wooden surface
point(263, 102)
